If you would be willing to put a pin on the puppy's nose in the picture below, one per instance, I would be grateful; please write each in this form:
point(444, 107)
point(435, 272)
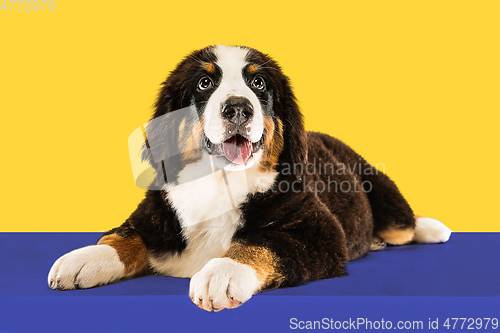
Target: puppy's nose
point(237, 110)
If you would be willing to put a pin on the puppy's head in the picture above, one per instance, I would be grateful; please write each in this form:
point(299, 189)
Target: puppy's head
point(240, 110)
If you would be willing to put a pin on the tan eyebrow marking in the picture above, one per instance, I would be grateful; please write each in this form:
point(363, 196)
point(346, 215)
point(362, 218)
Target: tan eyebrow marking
point(252, 68)
point(209, 67)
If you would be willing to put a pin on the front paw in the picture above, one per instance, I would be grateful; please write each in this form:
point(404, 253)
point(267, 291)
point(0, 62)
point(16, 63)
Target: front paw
point(223, 284)
point(87, 267)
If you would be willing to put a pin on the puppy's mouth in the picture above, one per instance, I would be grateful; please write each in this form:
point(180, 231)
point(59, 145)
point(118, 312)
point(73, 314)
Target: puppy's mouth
point(237, 149)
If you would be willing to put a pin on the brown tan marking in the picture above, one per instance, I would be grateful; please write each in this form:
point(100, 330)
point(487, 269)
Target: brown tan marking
point(273, 144)
point(189, 140)
point(209, 67)
point(397, 236)
point(252, 68)
point(265, 263)
point(131, 251)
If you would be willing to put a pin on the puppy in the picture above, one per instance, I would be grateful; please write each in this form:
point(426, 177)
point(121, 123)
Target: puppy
point(243, 198)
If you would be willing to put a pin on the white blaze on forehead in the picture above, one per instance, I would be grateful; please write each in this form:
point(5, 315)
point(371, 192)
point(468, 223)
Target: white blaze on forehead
point(231, 60)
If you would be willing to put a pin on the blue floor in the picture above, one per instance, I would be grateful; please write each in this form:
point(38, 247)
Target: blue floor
point(416, 283)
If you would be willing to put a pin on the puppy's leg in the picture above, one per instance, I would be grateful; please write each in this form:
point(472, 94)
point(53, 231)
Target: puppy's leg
point(117, 255)
point(229, 281)
point(295, 248)
point(394, 221)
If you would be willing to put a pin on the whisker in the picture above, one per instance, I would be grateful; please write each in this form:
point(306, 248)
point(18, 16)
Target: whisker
point(270, 68)
point(198, 60)
point(260, 65)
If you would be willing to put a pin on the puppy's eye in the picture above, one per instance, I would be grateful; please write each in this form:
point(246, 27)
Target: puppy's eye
point(258, 83)
point(205, 83)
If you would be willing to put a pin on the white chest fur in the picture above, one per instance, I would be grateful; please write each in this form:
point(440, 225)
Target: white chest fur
point(208, 210)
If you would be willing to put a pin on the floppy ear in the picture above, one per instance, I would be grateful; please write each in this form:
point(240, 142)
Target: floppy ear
point(161, 148)
point(294, 136)
point(165, 100)
point(173, 94)
point(174, 132)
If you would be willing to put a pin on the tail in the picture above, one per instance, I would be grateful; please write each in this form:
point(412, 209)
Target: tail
point(426, 230)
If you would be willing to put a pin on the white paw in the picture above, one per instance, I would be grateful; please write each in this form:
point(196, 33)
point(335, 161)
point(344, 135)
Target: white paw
point(86, 268)
point(429, 230)
point(223, 284)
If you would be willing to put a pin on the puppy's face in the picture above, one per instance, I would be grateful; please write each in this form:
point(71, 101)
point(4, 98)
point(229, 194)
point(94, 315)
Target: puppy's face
point(234, 98)
point(243, 106)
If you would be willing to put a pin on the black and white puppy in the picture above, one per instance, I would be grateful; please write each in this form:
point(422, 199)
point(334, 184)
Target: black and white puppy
point(250, 201)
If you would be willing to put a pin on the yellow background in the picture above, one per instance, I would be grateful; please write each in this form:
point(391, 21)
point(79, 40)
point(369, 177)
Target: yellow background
point(410, 84)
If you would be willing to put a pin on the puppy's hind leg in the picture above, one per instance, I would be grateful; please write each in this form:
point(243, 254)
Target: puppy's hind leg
point(395, 222)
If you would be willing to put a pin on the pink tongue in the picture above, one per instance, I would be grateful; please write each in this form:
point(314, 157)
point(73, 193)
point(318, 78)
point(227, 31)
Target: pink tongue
point(237, 149)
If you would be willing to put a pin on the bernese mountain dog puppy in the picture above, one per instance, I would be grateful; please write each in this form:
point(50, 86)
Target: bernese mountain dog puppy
point(244, 199)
